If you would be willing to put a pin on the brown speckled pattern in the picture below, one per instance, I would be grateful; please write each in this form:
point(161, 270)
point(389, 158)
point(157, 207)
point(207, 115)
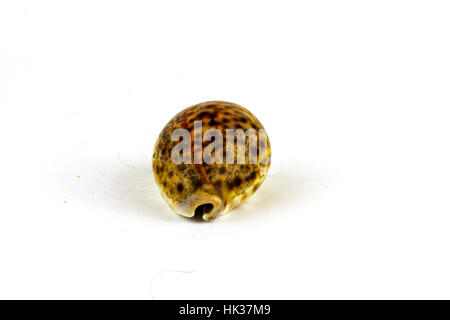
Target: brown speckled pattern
point(218, 187)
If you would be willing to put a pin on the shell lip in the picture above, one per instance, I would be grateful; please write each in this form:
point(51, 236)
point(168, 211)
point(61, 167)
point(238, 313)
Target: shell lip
point(189, 206)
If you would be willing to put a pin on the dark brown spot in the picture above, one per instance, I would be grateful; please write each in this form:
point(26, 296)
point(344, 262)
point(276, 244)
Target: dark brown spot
point(180, 187)
point(237, 182)
point(203, 114)
point(251, 177)
point(189, 127)
point(213, 115)
point(196, 183)
point(213, 123)
point(222, 170)
point(218, 184)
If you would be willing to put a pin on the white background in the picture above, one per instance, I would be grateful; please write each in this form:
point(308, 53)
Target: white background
point(353, 94)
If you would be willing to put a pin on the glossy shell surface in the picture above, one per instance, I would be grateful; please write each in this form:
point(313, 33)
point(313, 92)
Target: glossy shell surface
point(209, 190)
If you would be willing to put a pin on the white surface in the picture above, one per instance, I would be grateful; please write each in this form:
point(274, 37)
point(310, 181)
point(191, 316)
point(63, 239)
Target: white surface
point(354, 96)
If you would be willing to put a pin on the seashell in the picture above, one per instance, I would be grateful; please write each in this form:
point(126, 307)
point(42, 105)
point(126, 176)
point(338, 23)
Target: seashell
point(210, 158)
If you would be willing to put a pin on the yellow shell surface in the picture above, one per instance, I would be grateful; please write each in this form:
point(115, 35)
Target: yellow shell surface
point(210, 189)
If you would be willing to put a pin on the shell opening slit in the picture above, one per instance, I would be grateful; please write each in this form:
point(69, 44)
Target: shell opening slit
point(202, 209)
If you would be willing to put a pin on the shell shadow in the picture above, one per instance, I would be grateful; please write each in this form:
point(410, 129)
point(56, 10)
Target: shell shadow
point(138, 193)
point(130, 189)
point(276, 197)
point(124, 189)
